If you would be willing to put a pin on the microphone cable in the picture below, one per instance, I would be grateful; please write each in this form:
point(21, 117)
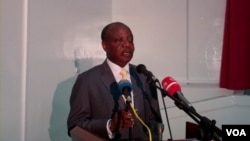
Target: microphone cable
point(138, 117)
point(153, 81)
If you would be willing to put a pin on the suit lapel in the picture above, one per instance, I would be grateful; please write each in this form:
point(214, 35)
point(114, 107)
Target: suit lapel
point(107, 76)
point(137, 87)
point(111, 85)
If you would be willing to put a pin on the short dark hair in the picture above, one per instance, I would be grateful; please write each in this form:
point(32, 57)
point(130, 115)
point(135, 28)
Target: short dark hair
point(105, 30)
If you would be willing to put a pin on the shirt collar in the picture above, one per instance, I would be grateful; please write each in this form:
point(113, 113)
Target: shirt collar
point(115, 67)
point(116, 70)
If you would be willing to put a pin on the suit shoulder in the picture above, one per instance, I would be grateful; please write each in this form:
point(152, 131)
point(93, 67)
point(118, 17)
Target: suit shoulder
point(132, 66)
point(94, 71)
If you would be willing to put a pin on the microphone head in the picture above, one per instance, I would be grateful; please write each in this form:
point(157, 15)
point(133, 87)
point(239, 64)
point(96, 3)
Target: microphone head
point(140, 68)
point(124, 84)
point(171, 85)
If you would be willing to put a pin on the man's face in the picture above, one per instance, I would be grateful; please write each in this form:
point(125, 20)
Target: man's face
point(119, 45)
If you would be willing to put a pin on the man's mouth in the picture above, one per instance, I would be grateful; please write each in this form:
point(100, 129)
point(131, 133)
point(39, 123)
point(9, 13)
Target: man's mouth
point(127, 54)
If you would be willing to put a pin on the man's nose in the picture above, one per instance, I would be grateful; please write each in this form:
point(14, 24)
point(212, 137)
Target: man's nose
point(126, 43)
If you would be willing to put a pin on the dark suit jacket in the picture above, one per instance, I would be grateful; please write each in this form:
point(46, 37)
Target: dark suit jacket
point(93, 99)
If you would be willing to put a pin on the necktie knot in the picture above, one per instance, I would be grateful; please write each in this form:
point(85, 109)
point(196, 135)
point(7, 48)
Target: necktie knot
point(123, 73)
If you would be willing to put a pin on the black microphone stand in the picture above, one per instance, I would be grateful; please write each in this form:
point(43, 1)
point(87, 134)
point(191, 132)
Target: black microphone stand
point(207, 126)
point(153, 83)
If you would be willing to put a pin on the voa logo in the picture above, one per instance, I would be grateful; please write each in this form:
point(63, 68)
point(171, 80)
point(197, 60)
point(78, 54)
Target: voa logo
point(236, 132)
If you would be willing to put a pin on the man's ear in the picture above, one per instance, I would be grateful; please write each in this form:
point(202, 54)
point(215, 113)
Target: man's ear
point(104, 46)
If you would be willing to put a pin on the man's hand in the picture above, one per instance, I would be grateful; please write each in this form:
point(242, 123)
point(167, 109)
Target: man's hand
point(121, 119)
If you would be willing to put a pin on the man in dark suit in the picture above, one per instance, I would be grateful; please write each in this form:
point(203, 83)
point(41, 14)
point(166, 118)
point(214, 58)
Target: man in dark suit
point(96, 104)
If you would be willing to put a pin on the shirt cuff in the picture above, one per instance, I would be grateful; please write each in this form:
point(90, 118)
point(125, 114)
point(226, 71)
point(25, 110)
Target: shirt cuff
point(110, 134)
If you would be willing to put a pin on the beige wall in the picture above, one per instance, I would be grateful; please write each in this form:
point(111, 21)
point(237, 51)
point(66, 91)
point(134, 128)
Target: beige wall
point(45, 43)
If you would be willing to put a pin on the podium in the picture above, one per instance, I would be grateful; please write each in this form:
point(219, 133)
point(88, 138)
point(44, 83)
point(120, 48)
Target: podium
point(191, 130)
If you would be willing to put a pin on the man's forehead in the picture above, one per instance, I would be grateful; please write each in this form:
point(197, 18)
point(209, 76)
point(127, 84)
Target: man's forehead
point(118, 28)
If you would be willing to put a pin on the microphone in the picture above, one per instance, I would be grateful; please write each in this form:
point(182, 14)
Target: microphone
point(174, 89)
point(141, 69)
point(125, 88)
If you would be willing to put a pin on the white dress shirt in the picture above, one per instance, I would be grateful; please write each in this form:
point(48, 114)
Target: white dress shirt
point(116, 72)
